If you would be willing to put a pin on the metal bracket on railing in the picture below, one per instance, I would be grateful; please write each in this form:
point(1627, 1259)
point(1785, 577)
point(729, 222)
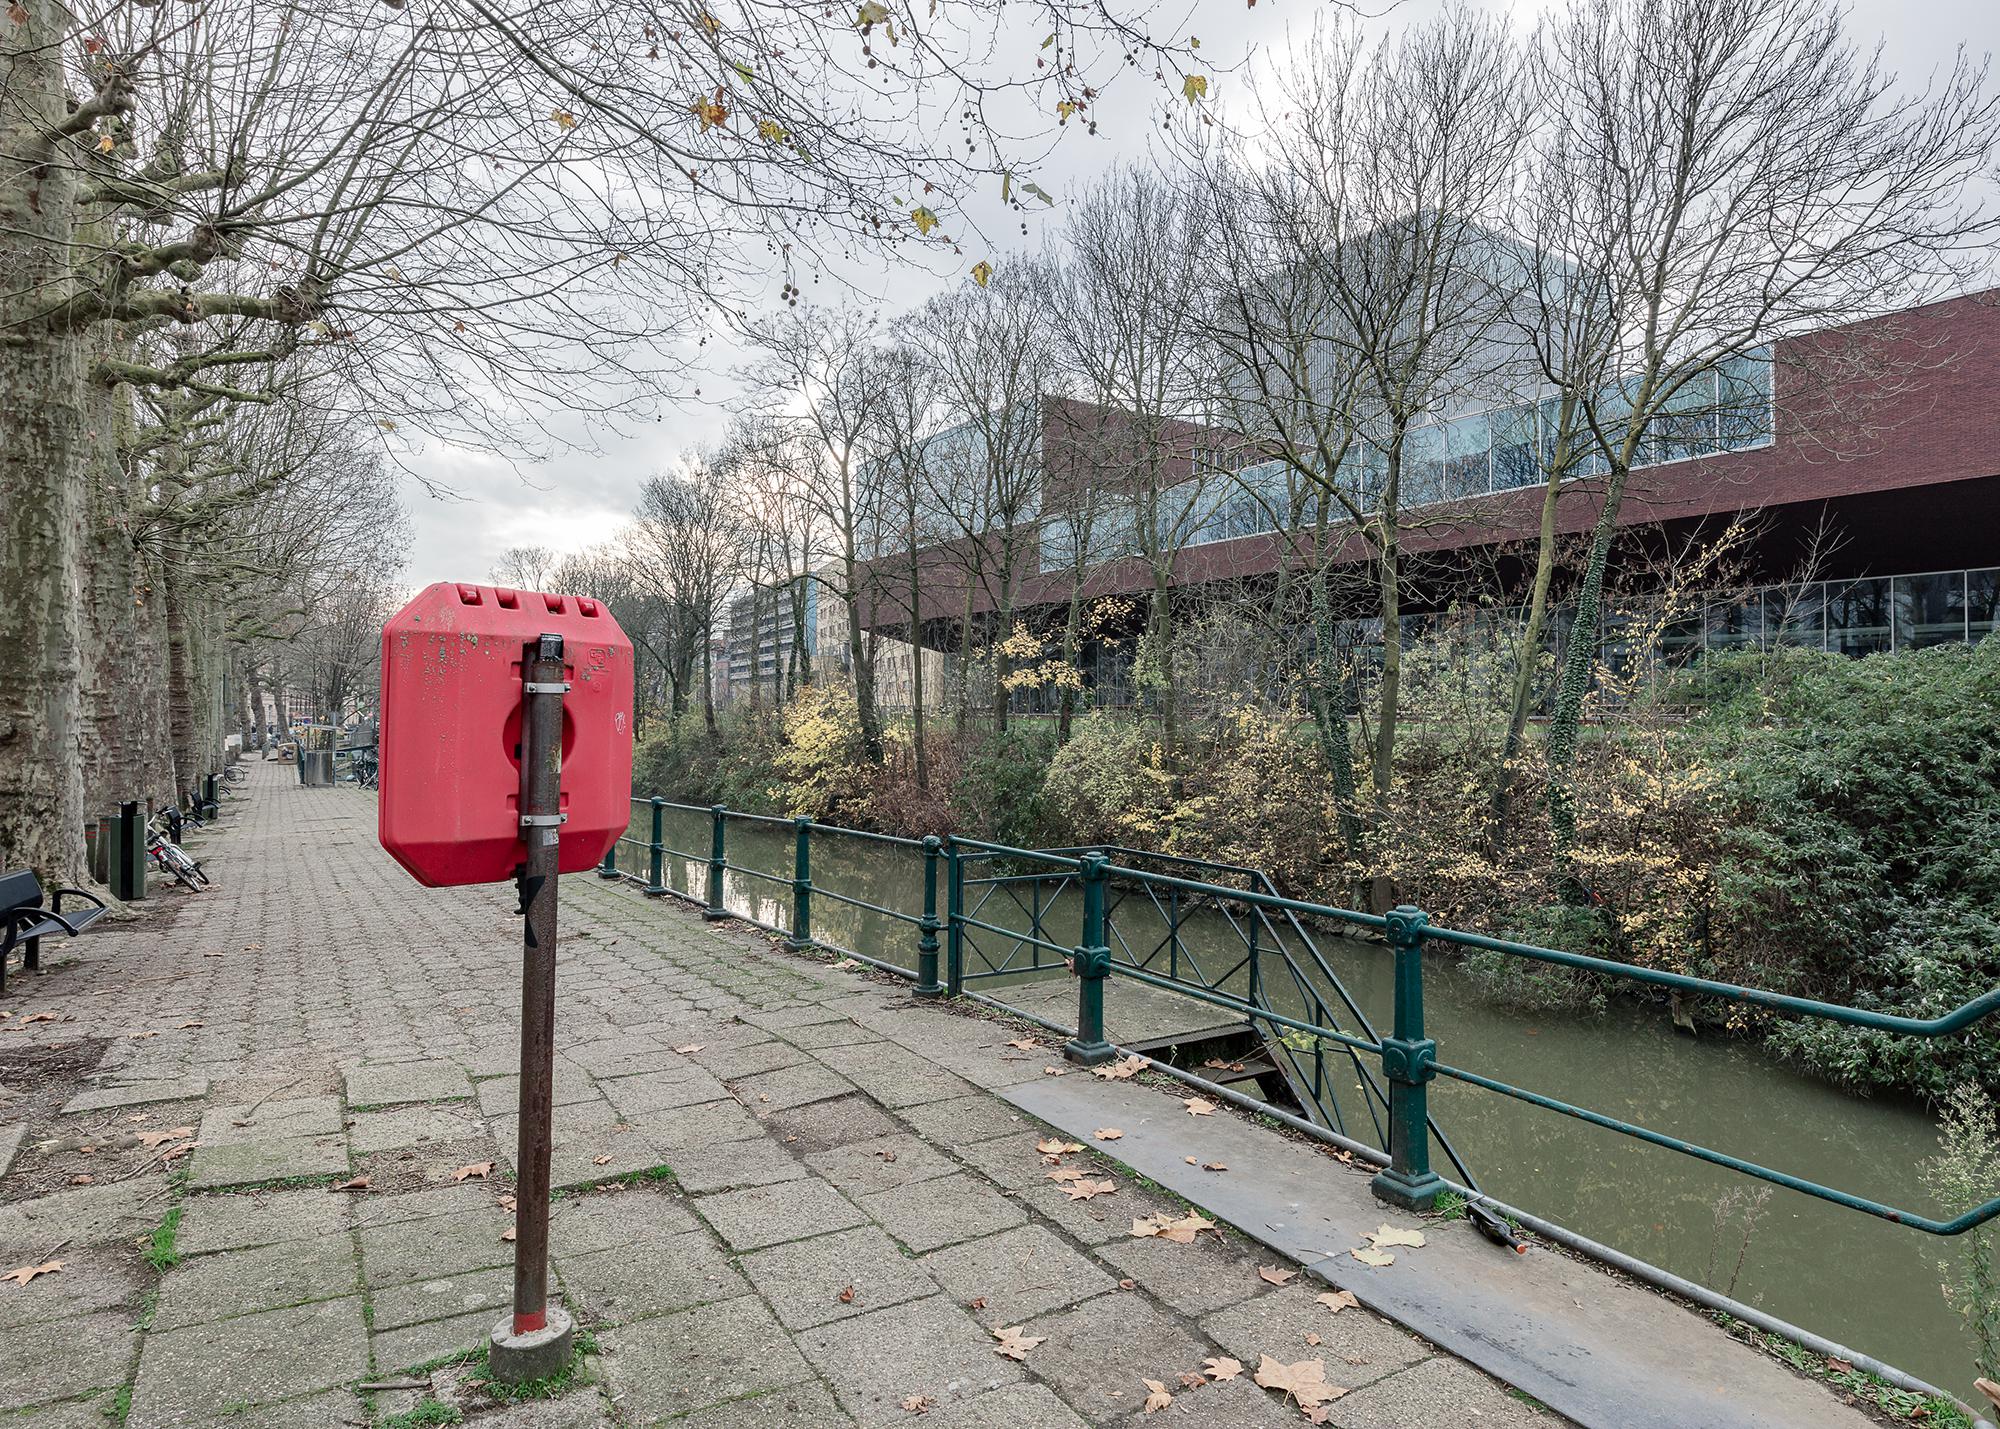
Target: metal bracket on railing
point(546, 687)
point(1091, 962)
point(537, 821)
point(1405, 1061)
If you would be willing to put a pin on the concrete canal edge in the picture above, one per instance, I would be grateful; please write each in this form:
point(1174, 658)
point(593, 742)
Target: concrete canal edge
point(1591, 1346)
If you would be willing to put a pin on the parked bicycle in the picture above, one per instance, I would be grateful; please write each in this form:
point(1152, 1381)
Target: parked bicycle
point(169, 857)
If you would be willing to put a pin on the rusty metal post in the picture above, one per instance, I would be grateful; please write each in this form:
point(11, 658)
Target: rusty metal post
point(535, 1342)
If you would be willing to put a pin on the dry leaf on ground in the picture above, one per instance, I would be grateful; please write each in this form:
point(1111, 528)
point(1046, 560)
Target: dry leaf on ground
point(918, 1404)
point(1067, 1173)
point(505, 1203)
point(1157, 1397)
point(1304, 1382)
point(1084, 1190)
point(1338, 1300)
point(1272, 1275)
point(600, 1160)
point(1181, 1230)
point(1192, 1379)
point(1024, 1044)
point(1221, 1367)
point(846, 1297)
point(507, 1234)
point(846, 965)
point(160, 1138)
point(1395, 1235)
point(1051, 1146)
point(1198, 1106)
point(1121, 1069)
point(25, 1273)
point(1107, 1133)
point(1213, 1166)
point(1369, 1256)
point(1311, 1338)
point(473, 1169)
point(690, 1049)
point(359, 1183)
point(1014, 1344)
point(1055, 1071)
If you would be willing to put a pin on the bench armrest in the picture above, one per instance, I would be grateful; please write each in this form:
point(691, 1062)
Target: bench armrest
point(55, 903)
point(33, 915)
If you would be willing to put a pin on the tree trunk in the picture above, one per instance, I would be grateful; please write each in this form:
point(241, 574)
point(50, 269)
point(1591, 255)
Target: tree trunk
point(112, 677)
point(1328, 700)
point(864, 667)
point(183, 697)
point(43, 469)
point(1524, 675)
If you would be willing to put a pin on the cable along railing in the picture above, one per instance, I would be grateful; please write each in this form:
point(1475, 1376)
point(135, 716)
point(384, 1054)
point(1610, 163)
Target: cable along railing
point(967, 884)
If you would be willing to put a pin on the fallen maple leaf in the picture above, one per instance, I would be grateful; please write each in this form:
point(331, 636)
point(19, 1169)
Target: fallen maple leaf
point(1157, 1397)
point(505, 1203)
point(1198, 1106)
point(1192, 1379)
point(1338, 1300)
point(691, 1048)
point(1014, 1344)
point(39, 1017)
point(28, 1272)
point(1395, 1235)
point(1311, 1338)
point(1121, 1069)
point(1107, 1133)
point(1272, 1275)
point(846, 1297)
point(1221, 1367)
point(846, 965)
point(1181, 1230)
point(1084, 1190)
point(1213, 1166)
point(978, 1302)
point(160, 1138)
point(600, 1161)
point(1025, 1044)
point(359, 1183)
point(479, 1169)
point(1067, 1173)
point(1304, 1382)
point(1051, 1146)
point(507, 1234)
point(918, 1404)
point(1369, 1256)
point(1055, 1071)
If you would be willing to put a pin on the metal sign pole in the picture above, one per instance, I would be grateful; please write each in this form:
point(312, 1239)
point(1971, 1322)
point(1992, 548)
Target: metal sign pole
point(535, 1342)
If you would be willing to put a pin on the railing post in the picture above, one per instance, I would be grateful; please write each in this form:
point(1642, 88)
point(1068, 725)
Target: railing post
point(1091, 964)
point(609, 868)
point(658, 883)
point(954, 921)
point(1256, 964)
point(927, 930)
point(1409, 1062)
point(717, 862)
point(802, 887)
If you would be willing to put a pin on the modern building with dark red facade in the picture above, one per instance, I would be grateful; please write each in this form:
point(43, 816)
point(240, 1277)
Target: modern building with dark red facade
point(1862, 464)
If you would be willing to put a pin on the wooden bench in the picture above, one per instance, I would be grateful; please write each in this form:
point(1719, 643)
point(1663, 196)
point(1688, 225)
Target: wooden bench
point(26, 922)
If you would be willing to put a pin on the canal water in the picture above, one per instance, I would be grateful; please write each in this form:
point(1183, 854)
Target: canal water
point(1860, 1281)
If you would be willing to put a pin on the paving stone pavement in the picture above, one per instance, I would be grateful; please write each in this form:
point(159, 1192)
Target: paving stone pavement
point(787, 1194)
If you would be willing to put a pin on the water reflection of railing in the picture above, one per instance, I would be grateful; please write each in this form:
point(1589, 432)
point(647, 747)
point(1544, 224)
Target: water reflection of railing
point(1407, 1057)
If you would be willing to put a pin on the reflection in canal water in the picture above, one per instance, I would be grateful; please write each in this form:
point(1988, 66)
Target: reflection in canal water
point(1841, 1274)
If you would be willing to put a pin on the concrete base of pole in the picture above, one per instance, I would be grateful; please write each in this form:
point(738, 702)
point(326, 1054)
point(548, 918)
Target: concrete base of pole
point(539, 1354)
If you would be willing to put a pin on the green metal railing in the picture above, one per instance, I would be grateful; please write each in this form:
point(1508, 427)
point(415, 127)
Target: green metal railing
point(975, 873)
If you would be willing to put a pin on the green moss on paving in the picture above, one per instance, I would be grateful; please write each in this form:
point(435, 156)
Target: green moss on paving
point(430, 1411)
point(160, 1251)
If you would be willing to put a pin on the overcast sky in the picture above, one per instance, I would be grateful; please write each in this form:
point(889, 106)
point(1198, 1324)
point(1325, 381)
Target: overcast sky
point(579, 497)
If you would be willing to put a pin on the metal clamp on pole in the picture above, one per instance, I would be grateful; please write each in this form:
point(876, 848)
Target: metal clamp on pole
point(535, 1341)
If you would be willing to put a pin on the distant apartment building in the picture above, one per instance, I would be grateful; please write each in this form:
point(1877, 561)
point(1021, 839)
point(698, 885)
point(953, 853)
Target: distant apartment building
point(764, 623)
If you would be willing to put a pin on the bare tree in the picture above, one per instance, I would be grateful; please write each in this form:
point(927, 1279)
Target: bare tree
point(1717, 175)
point(688, 541)
point(525, 568)
point(823, 380)
point(1358, 285)
point(1129, 301)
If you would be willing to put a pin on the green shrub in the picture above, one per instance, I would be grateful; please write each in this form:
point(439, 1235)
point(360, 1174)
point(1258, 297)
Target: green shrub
point(822, 769)
point(998, 793)
point(1107, 784)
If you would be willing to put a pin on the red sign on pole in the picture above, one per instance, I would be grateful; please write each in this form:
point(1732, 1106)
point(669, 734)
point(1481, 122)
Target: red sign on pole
point(451, 730)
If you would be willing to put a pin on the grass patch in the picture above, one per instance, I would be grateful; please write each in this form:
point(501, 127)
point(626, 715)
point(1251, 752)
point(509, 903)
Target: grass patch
point(1449, 1206)
point(431, 1411)
point(160, 1251)
point(1933, 1411)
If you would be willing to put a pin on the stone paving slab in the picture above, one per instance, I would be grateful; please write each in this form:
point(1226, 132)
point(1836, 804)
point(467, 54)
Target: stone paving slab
point(58, 1359)
point(138, 1094)
point(1017, 1274)
point(832, 1277)
point(929, 1347)
point(768, 1215)
point(11, 1138)
point(236, 1282)
point(631, 1282)
point(675, 1364)
point(186, 1375)
point(251, 1163)
point(415, 1301)
point(391, 1084)
point(251, 1218)
point(372, 1131)
point(93, 1280)
point(87, 1215)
